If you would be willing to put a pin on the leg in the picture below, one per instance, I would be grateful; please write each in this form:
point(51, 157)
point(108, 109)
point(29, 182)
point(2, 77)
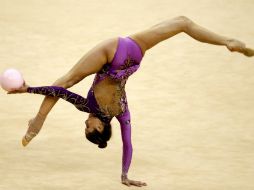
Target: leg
point(91, 63)
point(165, 30)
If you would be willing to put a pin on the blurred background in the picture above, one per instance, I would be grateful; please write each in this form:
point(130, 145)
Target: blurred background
point(192, 104)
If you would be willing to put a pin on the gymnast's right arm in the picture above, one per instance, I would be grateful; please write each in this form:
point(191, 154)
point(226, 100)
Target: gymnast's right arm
point(54, 91)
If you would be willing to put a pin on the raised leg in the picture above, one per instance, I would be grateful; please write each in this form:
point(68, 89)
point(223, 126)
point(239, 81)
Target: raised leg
point(165, 30)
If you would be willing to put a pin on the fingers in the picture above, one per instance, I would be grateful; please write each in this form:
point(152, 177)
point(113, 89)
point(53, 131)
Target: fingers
point(137, 183)
point(134, 183)
point(22, 89)
point(13, 92)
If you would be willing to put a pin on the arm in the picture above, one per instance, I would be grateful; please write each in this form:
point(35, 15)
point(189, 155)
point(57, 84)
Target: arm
point(54, 91)
point(124, 120)
point(169, 28)
point(125, 123)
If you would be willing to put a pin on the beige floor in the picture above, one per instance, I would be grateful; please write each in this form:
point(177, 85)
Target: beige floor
point(192, 104)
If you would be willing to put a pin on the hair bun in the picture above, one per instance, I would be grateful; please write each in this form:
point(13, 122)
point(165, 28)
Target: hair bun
point(102, 145)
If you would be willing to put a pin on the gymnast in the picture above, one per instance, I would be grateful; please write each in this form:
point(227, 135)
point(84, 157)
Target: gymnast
point(113, 61)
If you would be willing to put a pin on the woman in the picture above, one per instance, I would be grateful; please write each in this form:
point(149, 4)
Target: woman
point(114, 61)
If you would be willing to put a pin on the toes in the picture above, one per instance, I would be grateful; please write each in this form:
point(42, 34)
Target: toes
point(249, 52)
point(24, 141)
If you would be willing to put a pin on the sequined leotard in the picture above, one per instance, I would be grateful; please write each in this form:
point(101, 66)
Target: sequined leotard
point(125, 62)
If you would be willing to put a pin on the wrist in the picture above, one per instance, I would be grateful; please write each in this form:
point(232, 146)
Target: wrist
point(26, 88)
point(124, 176)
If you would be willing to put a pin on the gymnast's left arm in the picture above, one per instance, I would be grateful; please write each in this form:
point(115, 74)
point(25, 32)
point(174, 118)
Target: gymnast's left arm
point(125, 123)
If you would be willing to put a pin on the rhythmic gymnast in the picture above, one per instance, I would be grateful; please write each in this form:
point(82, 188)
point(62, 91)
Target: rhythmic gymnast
point(113, 61)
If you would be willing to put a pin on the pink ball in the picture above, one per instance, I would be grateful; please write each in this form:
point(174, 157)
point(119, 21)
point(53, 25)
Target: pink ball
point(11, 79)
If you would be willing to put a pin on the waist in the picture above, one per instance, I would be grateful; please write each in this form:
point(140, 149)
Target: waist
point(107, 102)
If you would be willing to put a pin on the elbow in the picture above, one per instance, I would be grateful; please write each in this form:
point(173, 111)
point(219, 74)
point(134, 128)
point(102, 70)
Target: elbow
point(127, 146)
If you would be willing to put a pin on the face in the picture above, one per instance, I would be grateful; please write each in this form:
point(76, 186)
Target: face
point(93, 123)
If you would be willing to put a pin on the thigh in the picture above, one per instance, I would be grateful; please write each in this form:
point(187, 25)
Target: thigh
point(147, 38)
point(150, 37)
point(93, 61)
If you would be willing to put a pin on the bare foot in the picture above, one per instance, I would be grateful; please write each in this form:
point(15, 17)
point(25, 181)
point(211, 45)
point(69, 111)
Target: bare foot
point(34, 127)
point(238, 46)
point(235, 45)
point(248, 52)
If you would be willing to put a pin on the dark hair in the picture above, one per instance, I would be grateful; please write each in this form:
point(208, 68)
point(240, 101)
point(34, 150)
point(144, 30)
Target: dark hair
point(100, 138)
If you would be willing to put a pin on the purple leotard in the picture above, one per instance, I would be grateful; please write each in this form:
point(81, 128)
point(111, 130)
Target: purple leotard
point(125, 62)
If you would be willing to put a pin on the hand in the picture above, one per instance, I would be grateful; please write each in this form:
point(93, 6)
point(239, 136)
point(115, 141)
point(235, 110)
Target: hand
point(22, 89)
point(129, 182)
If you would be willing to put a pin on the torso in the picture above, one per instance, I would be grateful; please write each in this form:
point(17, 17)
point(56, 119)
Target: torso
point(109, 84)
point(108, 94)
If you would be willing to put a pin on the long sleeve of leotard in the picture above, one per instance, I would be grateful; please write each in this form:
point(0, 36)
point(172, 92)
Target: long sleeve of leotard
point(78, 101)
point(125, 122)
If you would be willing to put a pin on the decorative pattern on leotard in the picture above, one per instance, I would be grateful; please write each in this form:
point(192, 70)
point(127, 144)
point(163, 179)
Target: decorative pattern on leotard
point(128, 67)
point(78, 101)
point(88, 104)
point(126, 61)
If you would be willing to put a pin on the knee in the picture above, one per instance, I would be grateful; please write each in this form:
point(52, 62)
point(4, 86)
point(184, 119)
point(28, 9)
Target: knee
point(183, 21)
